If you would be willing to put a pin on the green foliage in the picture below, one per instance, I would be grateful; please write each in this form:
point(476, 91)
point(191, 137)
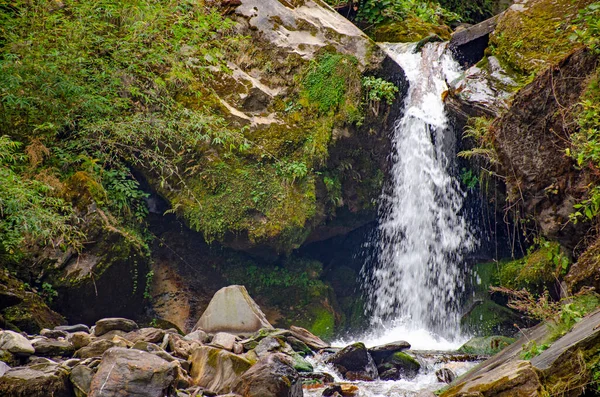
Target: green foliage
point(328, 80)
point(148, 286)
point(531, 349)
point(468, 178)
point(595, 377)
point(587, 27)
point(377, 90)
point(528, 41)
point(381, 11)
point(585, 148)
point(543, 264)
point(48, 292)
point(30, 212)
point(469, 11)
point(478, 130)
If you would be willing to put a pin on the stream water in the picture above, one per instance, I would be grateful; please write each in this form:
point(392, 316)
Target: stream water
point(414, 288)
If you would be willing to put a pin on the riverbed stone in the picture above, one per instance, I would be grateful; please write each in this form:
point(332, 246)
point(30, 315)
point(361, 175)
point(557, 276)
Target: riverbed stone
point(408, 367)
point(232, 310)
point(52, 347)
point(224, 340)
point(380, 353)
point(130, 372)
point(106, 325)
point(37, 380)
point(152, 335)
point(445, 375)
point(81, 379)
point(15, 343)
point(53, 333)
point(73, 328)
point(216, 369)
point(311, 340)
point(356, 360)
point(95, 348)
point(272, 376)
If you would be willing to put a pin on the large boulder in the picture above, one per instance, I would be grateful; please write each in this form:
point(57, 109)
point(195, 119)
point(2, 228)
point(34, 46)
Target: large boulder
point(52, 347)
point(131, 372)
point(215, 369)
point(15, 343)
point(354, 362)
point(232, 310)
point(272, 376)
point(38, 380)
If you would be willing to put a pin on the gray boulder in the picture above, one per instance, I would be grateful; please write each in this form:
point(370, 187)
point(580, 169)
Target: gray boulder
point(271, 376)
point(114, 324)
point(130, 372)
point(224, 340)
point(38, 380)
point(232, 310)
point(81, 379)
point(15, 343)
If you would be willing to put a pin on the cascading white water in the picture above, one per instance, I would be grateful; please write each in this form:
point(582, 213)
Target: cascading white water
point(422, 237)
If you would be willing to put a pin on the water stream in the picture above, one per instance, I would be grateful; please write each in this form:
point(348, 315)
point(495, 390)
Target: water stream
point(414, 288)
point(416, 282)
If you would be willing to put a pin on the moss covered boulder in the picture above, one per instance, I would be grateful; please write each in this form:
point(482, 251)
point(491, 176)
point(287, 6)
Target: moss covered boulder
point(215, 369)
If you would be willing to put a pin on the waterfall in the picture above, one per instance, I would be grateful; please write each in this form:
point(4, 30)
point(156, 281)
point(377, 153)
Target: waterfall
point(422, 237)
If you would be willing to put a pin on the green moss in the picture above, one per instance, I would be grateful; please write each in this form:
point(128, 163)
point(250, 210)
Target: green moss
point(409, 30)
point(323, 323)
point(404, 360)
point(536, 270)
point(528, 41)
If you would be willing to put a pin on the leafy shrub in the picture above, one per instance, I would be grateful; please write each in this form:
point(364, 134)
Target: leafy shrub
point(30, 212)
point(378, 90)
point(380, 11)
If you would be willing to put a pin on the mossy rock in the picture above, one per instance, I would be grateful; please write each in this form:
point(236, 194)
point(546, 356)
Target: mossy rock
point(488, 345)
point(32, 313)
point(409, 31)
point(489, 318)
point(536, 34)
point(536, 271)
point(300, 364)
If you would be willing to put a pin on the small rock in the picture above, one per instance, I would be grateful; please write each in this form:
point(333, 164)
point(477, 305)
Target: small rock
point(300, 364)
point(445, 375)
point(380, 353)
point(487, 345)
point(15, 343)
point(238, 348)
point(73, 328)
point(318, 378)
point(3, 368)
point(406, 364)
point(53, 347)
point(53, 333)
point(268, 345)
point(312, 341)
point(81, 378)
point(114, 324)
point(198, 336)
point(298, 345)
point(332, 390)
point(94, 349)
point(80, 339)
point(152, 335)
point(224, 340)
